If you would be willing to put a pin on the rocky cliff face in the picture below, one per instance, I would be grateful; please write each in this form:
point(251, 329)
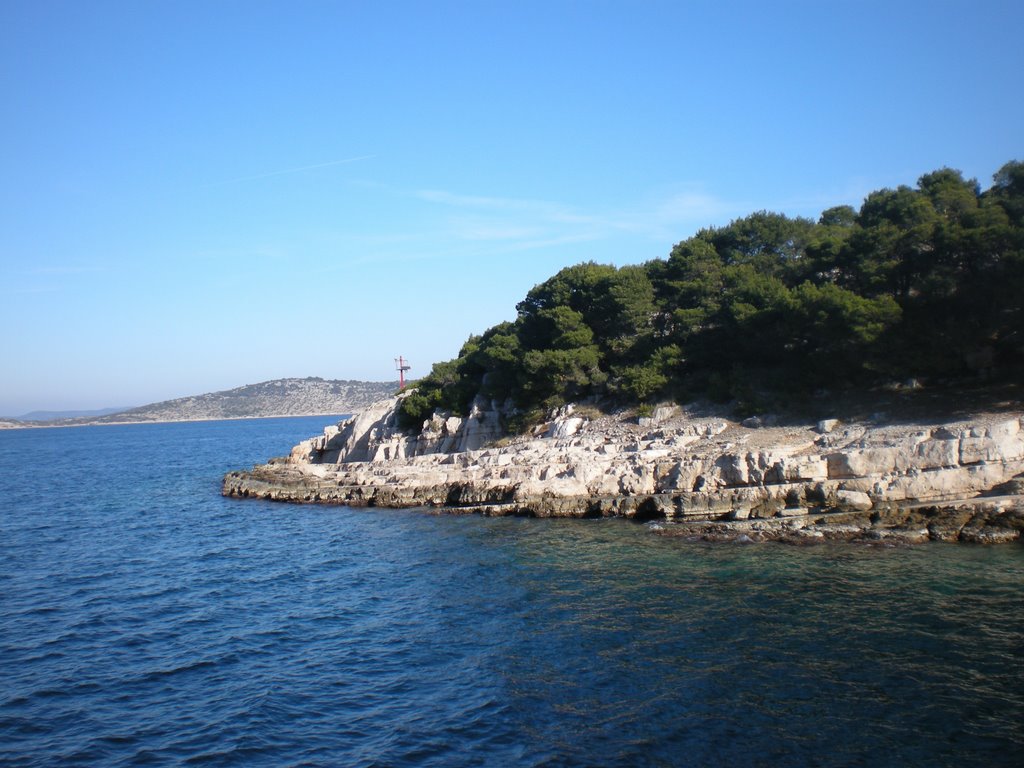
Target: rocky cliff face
point(709, 476)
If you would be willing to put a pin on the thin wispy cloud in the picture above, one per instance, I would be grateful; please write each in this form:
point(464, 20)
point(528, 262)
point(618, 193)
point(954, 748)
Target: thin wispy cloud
point(670, 215)
point(492, 230)
point(478, 201)
point(551, 242)
point(539, 223)
point(297, 169)
point(674, 216)
point(481, 217)
point(545, 210)
point(462, 226)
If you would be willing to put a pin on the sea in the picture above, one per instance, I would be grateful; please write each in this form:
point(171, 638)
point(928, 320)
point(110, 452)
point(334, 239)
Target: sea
point(147, 621)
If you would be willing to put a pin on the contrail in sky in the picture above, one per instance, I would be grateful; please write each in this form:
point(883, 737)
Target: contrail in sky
point(293, 170)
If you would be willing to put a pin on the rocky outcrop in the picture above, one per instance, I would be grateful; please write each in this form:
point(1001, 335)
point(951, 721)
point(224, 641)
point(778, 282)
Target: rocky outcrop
point(707, 476)
point(374, 436)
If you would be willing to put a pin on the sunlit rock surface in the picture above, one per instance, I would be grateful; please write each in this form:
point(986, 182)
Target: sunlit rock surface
point(708, 477)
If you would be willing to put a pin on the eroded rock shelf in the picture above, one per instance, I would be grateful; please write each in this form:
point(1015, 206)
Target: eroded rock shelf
point(700, 476)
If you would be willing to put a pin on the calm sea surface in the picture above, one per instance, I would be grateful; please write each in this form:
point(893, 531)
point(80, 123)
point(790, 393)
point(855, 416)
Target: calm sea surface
point(145, 620)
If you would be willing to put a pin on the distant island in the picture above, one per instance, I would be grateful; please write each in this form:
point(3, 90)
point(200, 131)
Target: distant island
point(41, 416)
point(281, 397)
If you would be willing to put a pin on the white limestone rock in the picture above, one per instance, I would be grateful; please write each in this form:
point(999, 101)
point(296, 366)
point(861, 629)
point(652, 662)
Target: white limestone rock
point(856, 500)
point(685, 467)
point(862, 462)
point(565, 427)
point(825, 426)
point(932, 454)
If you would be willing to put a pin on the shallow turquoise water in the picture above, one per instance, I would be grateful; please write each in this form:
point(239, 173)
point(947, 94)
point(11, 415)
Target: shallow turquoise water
point(145, 620)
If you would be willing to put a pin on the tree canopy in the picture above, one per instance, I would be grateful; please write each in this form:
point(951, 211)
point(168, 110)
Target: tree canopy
point(923, 281)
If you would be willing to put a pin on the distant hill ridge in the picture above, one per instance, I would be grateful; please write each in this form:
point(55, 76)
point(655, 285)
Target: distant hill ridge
point(54, 415)
point(281, 397)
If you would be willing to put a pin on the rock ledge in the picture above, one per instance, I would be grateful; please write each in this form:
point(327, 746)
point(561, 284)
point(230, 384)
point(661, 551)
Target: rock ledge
point(702, 477)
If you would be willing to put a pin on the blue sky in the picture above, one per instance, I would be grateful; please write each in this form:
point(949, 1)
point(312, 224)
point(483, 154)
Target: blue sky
point(201, 195)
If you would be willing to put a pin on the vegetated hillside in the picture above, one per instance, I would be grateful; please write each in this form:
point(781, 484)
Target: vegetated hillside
point(281, 397)
point(924, 282)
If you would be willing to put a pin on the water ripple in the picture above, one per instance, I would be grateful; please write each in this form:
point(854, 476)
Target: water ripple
point(144, 620)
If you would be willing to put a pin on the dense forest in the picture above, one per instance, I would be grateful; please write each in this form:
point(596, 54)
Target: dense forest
point(924, 282)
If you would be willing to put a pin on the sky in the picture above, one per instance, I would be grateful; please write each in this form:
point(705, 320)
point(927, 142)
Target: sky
point(195, 196)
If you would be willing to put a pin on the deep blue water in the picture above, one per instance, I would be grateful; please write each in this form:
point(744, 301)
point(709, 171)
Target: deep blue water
point(145, 620)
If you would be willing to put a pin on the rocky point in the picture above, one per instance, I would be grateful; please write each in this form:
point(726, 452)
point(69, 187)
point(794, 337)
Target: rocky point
point(700, 476)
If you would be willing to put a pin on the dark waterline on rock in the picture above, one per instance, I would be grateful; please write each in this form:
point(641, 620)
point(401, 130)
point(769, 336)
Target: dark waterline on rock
point(144, 619)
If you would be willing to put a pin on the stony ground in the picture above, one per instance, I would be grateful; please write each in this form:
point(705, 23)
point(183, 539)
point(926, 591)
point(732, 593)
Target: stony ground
point(926, 476)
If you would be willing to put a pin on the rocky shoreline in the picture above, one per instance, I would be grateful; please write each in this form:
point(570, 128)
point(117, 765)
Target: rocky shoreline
point(699, 476)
